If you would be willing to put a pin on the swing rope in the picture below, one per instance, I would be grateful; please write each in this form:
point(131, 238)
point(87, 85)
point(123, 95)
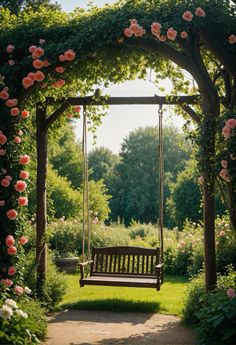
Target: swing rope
point(161, 182)
point(86, 212)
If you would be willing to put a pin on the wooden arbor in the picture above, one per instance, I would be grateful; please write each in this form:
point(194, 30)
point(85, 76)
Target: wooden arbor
point(43, 122)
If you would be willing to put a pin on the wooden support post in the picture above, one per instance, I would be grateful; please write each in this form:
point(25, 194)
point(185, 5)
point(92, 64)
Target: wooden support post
point(41, 212)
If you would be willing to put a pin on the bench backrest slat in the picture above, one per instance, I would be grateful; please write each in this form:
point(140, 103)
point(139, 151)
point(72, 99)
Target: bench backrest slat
point(124, 260)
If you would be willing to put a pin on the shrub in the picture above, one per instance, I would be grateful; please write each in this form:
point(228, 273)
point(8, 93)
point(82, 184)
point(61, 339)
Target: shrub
point(195, 297)
point(214, 314)
point(66, 237)
point(26, 326)
point(55, 284)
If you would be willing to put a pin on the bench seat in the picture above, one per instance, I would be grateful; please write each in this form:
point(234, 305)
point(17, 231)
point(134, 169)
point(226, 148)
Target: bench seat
point(121, 281)
point(123, 266)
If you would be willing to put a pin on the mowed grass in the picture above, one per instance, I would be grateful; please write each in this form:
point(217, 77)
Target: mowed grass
point(121, 299)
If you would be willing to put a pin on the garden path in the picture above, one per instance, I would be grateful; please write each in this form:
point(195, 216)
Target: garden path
point(76, 327)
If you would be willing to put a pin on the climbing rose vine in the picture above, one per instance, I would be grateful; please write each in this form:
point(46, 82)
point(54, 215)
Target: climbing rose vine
point(14, 160)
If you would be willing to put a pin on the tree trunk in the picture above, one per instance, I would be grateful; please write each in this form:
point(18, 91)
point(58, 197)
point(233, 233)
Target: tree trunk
point(210, 111)
point(41, 212)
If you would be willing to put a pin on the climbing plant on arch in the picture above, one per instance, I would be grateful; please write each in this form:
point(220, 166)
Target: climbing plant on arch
point(50, 53)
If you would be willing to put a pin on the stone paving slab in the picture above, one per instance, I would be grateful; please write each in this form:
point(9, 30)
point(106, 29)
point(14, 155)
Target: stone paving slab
point(77, 327)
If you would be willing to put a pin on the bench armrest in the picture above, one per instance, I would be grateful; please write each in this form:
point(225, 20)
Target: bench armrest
point(159, 272)
point(82, 265)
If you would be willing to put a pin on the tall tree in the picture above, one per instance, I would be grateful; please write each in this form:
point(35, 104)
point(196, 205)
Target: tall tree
point(102, 163)
point(65, 155)
point(16, 6)
point(135, 183)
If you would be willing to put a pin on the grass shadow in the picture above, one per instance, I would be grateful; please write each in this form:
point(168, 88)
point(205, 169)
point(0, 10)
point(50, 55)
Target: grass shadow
point(114, 305)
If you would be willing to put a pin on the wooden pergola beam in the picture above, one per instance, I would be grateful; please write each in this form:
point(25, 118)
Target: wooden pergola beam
point(153, 100)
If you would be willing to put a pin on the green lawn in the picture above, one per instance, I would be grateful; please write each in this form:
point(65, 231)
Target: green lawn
point(167, 301)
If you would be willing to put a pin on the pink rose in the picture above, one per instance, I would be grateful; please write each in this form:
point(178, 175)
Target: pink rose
point(24, 174)
point(200, 12)
point(38, 52)
point(3, 139)
point(11, 102)
point(27, 82)
point(224, 164)
point(224, 175)
point(128, 32)
point(38, 64)
point(155, 28)
point(59, 69)
point(10, 241)
point(39, 76)
point(23, 240)
point(69, 55)
point(4, 95)
point(171, 34)
point(32, 49)
point(232, 39)
point(18, 290)
point(20, 186)
point(5, 183)
point(226, 132)
point(11, 250)
point(231, 123)
point(6, 282)
point(45, 63)
point(62, 58)
point(17, 140)
point(10, 48)
point(11, 271)
point(188, 16)
point(31, 75)
point(183, 34)
point(12, 214)
point(8, 178)
point(222, 233)
point(231, 293)
point(15, 111)
point(22, 201)
point(24, 160)
point(24, 114)
point(2, 152)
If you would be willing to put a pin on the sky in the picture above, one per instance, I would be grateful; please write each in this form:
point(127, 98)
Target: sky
point(121, 120)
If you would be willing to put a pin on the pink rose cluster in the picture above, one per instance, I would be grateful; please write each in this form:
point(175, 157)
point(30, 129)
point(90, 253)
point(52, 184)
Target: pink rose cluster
point(224, 174)
point(188, 16)
point(231, 293)
point(229, 128)
point(232, 39)
point(134, 29)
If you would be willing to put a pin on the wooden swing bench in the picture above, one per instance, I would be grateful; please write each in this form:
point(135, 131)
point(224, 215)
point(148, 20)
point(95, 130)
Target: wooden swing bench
point(124, 266)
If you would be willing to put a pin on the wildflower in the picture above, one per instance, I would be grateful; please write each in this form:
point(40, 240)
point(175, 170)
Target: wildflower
point(6, 312)
point(11, 303)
